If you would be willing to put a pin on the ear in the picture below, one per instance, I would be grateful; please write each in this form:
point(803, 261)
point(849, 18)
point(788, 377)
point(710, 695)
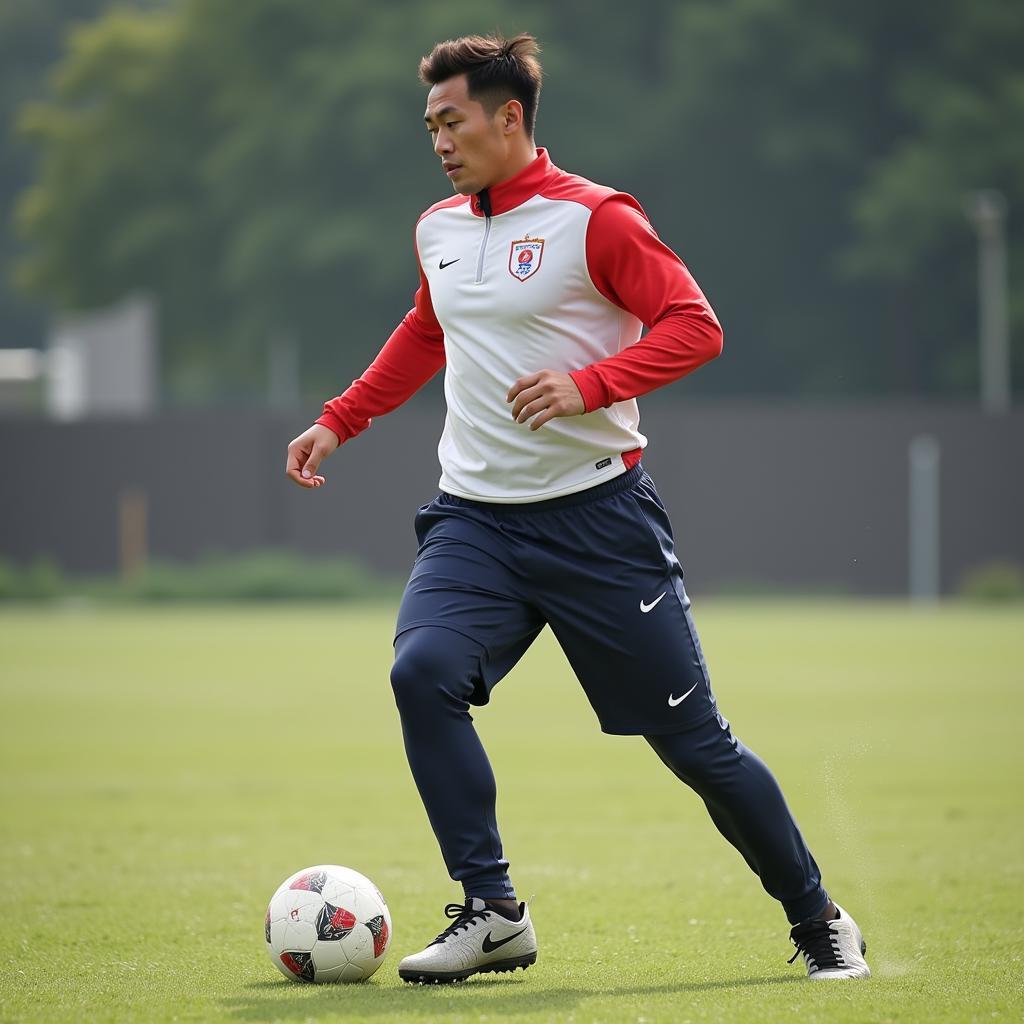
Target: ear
point(511, 117)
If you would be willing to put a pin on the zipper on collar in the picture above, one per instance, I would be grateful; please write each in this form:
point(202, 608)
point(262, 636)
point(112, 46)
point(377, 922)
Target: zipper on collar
point(485, 206)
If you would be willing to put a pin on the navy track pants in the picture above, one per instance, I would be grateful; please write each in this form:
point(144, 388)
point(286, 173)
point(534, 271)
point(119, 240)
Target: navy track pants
point(600, 568)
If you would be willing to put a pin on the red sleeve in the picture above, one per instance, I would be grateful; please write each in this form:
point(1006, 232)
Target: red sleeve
point(634, 269)
point(409, 358)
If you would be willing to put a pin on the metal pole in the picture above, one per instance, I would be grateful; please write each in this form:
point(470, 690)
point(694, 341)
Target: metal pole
point(987, 210)
point(924, 538)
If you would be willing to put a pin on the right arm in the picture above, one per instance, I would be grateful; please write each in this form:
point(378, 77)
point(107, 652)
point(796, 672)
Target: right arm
point(409, 358)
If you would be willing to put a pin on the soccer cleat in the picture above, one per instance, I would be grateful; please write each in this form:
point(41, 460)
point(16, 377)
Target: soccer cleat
point(478, 941)
point(831, 949)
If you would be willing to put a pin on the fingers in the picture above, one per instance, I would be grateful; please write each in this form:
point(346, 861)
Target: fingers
point(305, 454)
point(543, 396)
point(316, 456)
point(532, 408)
point(522, 384)
point(527, 398)
point(548, 414)
point(304, 458)
point(310, 482)
point(542, 408)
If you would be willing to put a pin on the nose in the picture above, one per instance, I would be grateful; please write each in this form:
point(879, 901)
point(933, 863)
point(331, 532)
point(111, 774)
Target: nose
point(442, 143)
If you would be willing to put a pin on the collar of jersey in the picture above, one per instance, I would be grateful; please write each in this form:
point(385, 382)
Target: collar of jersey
point(507, 195)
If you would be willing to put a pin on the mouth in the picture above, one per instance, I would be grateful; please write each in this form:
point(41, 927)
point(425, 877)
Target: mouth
point(451, 169)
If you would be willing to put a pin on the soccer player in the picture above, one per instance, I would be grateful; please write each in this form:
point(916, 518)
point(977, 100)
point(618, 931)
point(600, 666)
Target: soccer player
point(534, 285)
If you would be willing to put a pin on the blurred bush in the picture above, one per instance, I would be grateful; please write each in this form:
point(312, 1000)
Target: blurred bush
point(994, 581)
point(255, 576)
point(41, 580)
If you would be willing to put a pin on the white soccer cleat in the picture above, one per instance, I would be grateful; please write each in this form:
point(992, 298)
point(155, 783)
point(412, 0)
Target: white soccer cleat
point(478, 941)
point(831, 949)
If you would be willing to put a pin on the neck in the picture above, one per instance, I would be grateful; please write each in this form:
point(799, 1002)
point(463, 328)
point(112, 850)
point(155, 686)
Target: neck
point(522, 153)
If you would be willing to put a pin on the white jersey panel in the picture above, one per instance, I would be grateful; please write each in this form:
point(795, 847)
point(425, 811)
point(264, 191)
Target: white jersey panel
point(513, 296)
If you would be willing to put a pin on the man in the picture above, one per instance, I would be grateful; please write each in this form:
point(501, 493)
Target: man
point(534, 286)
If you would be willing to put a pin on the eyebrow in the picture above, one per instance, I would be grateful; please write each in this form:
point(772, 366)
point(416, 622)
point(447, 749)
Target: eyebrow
point(440, 113)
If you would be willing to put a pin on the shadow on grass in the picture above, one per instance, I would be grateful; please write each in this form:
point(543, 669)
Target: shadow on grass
point(284, 1001)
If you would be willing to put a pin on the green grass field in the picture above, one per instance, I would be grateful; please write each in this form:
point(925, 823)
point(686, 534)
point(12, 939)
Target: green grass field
point(164, 770)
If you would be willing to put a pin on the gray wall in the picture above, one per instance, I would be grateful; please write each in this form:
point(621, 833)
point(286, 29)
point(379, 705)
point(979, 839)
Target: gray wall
point(803, 497)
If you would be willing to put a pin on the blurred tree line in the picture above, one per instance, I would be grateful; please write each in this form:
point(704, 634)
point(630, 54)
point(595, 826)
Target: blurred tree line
point(259, 166)
point(30, 41)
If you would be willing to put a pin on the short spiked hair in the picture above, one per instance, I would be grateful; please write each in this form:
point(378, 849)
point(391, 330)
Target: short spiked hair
point(496, 70)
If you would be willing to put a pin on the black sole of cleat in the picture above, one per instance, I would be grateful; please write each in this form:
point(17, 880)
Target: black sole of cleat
point(454, 977)
point(508, 966)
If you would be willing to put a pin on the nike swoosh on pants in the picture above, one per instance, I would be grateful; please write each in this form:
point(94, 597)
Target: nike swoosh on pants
point(676, 701)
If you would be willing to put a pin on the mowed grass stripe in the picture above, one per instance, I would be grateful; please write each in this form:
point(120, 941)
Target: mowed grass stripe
point(163, 770)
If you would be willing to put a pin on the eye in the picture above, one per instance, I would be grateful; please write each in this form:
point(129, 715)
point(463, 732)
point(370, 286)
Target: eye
point(450, 124)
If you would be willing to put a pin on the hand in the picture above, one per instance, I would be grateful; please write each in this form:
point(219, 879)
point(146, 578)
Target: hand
point(306, 453)
point(544, 396)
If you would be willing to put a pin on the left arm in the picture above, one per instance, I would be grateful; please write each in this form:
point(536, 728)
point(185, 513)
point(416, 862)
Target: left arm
point(637, 272)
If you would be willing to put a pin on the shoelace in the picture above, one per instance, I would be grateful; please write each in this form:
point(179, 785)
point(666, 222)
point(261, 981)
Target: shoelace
point(464, 916)
point(818, 942)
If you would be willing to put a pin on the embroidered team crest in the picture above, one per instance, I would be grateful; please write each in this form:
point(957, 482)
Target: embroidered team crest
point(524, 257)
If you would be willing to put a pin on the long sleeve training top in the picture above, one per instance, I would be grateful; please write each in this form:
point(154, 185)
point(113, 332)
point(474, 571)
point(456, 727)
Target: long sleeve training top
point(546, 270)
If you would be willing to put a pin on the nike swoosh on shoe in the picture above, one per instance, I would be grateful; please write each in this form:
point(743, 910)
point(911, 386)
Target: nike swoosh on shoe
point(490, 947)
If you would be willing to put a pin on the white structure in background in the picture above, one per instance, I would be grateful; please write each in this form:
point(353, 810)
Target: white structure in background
point(104, 363)
point(21, 370)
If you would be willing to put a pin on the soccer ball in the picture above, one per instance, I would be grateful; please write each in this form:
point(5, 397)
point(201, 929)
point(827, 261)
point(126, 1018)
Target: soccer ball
point(327, 923)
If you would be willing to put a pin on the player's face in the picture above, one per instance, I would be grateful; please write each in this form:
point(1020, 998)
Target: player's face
point(472, 144)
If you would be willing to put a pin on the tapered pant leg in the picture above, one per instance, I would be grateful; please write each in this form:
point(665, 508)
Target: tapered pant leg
point(748, 808)
point(434, 674)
